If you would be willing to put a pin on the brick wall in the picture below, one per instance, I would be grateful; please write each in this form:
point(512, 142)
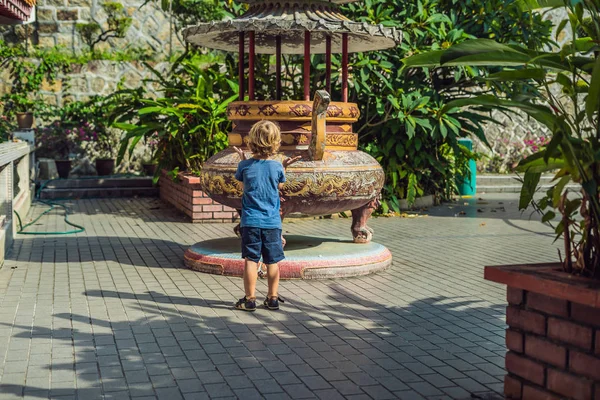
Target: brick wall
point(554, 348)
point(187, 196)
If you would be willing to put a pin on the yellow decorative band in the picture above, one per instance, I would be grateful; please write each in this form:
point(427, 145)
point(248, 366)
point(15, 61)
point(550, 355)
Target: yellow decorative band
point(332, 140)
point(289, 110)
point(343, 140)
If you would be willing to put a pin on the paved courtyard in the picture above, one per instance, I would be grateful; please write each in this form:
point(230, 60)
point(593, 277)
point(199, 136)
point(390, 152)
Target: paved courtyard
point(112, 313)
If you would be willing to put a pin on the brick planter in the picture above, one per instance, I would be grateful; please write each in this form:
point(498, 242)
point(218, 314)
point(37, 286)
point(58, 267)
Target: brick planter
point(553, 338)
point(186, 195)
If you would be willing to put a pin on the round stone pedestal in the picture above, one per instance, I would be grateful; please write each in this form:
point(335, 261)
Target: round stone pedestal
point(306, 257)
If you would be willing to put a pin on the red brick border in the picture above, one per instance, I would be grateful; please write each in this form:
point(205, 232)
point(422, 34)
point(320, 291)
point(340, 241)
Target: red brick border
point(553, 341)
point(186, 195)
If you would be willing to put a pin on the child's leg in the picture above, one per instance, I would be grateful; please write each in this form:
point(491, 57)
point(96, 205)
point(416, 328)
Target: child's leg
point(250, 276)
point(272, 253)
point(251, 245)
point(273, 279)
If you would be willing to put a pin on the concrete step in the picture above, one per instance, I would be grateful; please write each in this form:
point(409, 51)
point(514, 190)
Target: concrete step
point(502, 180)
point(88, 193)
point(99, 182)
point(509, 183)
point(516, 188)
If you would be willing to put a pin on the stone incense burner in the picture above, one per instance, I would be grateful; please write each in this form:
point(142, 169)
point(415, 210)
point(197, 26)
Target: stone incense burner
point(333, 175)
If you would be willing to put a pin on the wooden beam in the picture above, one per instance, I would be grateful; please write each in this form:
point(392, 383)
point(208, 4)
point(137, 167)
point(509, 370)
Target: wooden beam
point(328, 63)
point(344, 67)
point(251, 56)
point(278, 67)
point(307, 65)
point(241, 68)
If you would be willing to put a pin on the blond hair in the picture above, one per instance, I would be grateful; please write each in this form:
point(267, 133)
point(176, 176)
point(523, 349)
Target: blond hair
point(265, 138)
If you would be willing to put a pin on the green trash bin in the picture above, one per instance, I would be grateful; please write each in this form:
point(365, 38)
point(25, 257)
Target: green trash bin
point(467, 185)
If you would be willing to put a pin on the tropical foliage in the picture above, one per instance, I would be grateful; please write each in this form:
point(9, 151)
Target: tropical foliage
point(77, 129)
point(405, 123)
point(567, 102)
point(189, 121)
point(401, 124)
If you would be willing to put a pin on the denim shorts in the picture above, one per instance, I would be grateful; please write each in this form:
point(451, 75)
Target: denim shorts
point(265, 242)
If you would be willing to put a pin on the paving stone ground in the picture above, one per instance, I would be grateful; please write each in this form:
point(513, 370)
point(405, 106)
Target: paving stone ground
point(112, 313)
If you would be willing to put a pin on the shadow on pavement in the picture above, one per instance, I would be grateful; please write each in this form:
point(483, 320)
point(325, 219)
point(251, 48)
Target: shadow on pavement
point(153, 253)
point(172, 345)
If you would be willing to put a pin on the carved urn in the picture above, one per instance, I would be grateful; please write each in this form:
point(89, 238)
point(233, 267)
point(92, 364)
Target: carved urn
point(333, 175)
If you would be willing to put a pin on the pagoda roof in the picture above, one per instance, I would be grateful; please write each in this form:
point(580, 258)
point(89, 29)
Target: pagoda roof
point(268, 20)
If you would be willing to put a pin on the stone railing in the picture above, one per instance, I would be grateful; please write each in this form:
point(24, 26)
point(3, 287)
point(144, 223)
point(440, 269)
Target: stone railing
point(16, 189)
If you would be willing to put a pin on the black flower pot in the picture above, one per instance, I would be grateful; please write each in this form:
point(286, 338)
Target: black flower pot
point(105, 167)
point(63, 167)
point(149, 169)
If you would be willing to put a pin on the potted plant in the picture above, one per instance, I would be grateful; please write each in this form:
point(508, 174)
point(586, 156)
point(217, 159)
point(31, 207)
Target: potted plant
point(149, 165)
point(554, 309)
point(183, 128)
point(24, 108)
point(94, 139)
point(21, 107)
point(27, 77)
point(106, 145)
point(55, 142)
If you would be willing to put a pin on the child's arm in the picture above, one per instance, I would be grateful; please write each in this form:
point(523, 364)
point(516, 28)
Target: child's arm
point(286, 163)
point(240, 153)
point(290, 160)
point(239, 175)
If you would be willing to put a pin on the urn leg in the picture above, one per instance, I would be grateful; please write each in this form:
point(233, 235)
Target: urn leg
point(360, 231)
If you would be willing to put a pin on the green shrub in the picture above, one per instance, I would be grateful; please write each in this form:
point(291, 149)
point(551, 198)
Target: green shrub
point(403, 122)
point(188, 120)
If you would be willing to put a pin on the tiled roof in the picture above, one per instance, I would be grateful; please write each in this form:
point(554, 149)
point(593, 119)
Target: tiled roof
point(16, 9)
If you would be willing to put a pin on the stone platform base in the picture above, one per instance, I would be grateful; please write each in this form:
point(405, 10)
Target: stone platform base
point(306, 258)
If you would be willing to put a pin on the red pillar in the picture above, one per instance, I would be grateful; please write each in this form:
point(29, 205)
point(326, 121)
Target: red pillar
point(241, 68)
point(251, 57)
point(278, 67)
point(306, 65)
point(344, 67)
point(328, 63)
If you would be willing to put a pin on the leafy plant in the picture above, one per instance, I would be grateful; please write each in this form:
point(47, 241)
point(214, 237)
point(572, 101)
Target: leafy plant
point(401, 124)
point(567, 102)
point(190, 12)
point(27, 77)
point(189, 122)
point(6, 128)
point(56, 141)
point(117, 23)
point(404, 118)
point(77, 129)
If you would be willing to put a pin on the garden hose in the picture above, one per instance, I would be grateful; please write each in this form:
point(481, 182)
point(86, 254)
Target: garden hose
point(53, 205)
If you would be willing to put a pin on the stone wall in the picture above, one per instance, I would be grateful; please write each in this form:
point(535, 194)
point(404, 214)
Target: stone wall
point(56, 19)
point(99, 78)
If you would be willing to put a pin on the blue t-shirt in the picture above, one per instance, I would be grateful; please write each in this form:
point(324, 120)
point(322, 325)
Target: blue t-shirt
point(260, 201)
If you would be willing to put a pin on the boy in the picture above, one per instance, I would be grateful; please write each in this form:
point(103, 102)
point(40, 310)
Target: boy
point(261, 224)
